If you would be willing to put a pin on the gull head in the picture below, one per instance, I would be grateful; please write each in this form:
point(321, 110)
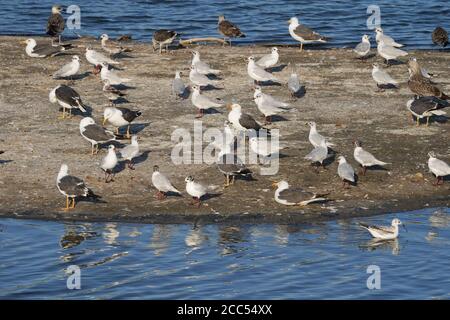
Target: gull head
point(75, 58)
point(108, 113)
point(379, 30)
point(283, 184)
point(221, 18)
point(111, 147)
point(431, 154)
point(104, 37)
point(155, 168)
point(342, 159)
point(312, 124)
point(195, 53)
point(375, 66)
point(293, 21)
point(274, 50)
point(178, 74)
point(258, 96)
point(196, 88)
point(257, 89)
point(365, 38)
point(233, 106)
point(104, 65)
point(30, 42)
point(357, 143)
point(189, 179)
point(396, 222)
point(56, 9)
point(86, 122)
point(251, 58)
point(64, 170)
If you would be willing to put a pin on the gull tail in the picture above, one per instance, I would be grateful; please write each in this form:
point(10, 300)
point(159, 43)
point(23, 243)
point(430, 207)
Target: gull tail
point(81, 106)
point(381, 163)
point(439, 112)
point(306, 202)
point(363, 225)
point(397, 45)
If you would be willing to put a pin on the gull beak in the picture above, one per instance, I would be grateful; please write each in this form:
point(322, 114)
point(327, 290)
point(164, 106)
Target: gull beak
point(274, 185)
point(104, 120)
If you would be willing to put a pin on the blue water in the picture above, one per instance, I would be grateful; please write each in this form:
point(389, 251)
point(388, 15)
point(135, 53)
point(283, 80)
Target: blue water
point(410, 22)
point(310, 261)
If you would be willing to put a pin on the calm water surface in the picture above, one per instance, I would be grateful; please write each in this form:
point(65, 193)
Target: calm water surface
point(410, 22)
point(312, 261)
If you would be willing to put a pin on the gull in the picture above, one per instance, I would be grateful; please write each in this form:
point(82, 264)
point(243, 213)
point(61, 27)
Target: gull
point(113, 94)
point(267, 107)
point(303, 34)
point(440, 37)
point(242, 121)
point(163, 38)
point(381, 37)
point(318, 154)
point(382, 78)
point(263, 147)
point(345, 171)
point(111, 75)
point(363, 48)
point(110, 47)
point(293, 84)
point(288, 196)
point(365, 159)
point(315, 138)
point(200, 66)
point(119, 117)
point(424, 72)
point(227, 139)
point(35, 50)
point(420, 85)
point(197, 190)
point(426, 107)
point(131, 151)
point(269, 60)
point(96, 58)
point(269, 98)
point(178, 86)
point(203, 102)
point(95, 133)
point(162, 184)
point(200, 79)
point(108, 163)
point(72, 187)
point(438, 167)
point(388, 52)
point(67, 98)
point(228, 29)
point(230, 165)
point(382, 232)
point(55, 23)
point(68, 70)
point(257, 73)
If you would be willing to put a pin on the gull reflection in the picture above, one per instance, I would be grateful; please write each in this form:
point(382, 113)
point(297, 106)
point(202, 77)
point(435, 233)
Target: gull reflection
point(380, 244)
point(111, 233)
point(195, 237)
point(160, 240)
point(229, 236)
point(73, 236)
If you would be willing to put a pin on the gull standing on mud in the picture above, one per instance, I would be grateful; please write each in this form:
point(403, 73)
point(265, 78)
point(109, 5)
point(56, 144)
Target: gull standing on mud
point(288, 196)
point(72, 187)
point(113, 94)
point(257, 73)
point(345, 171)
point(440, 37)
point(315, 138)
point(230, 165)
point(111, 48)
point(363, 48)
point(178, 86)
point(67, 98)
point(96, 59)
point(381, 37)
point(420, 85)
point(318, 154)
point(163, 38)
point(268, 107)
point(55, 23)
point(109, 162)
point(269, 60)
point(263, 147)
point(203, 102)
point(304, 34)
point(95, 133)
point(119, 117)
point(201, 66)
point(438, 167)
point(131, 151)
point(228, 29)
point(111, 75)
point(389, 52)
point(426, 107)
point(200, 79)
point(35, 50)
point(382, 232)
point(382, 78)
point(197, 190)
point(294, 84)
point(242, 121)
point(162, 184)
point(68, 70)
point(365, 159)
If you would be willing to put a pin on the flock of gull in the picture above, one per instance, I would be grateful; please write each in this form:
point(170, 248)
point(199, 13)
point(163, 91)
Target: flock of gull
point(429, 100)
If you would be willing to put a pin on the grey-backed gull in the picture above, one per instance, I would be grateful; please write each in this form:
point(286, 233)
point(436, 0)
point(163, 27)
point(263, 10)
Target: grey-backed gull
point(257, 73)
point(303, 34)
point(382, 78)
point(202, 102)
point(345, 171)
point(288, 196)
point(315, 138)
point(119, 117)
point(68, 70)
point(381, 37)
point(389, 52)
point(178, 86)
point(35, 50)
point(130, 152)
point(426, 107)
point(201, 66)
point(363, 48)
point(67, 98)
point(269, 60)
point(230, 165)
point(95, 133)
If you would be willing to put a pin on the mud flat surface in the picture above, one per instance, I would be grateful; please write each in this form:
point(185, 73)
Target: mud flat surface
point(340, 97)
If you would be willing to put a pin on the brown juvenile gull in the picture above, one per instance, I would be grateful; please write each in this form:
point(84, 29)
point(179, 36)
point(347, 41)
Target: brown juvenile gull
point(119, 117)
point(420, 85)
point(303, 34)
point(440, 37)
point(288, 196)
point(95, 133)
point(163, 38)
point(228, 29)
point(72, 187)
point(110, 47)
point(67, 98)
point(35, 50)
point(55, 23)
point(162, 184)
point(426, 107)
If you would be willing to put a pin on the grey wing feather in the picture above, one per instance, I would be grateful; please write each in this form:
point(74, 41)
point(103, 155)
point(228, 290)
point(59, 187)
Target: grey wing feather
point(362, 47)
point(178, 86)
point(98, 133)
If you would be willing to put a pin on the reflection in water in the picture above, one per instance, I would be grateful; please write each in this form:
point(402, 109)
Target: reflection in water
point(111, 233)
point(439, 219)
point(379, 244)
point(195, 237)
point(229, 236)
point(160, 240)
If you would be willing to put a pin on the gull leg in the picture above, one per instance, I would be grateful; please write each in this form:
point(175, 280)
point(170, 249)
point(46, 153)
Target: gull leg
point(160, 48)
point(428, 121)
point(92, 149)
point(301, 46)
point(232, 179)
point(417, 121)
point(128, 132)
point(199, 114)
point(63, 114)
point(268, 119)
point(227, 181)
point(67, 204)
point(130, 165)
point(73, 203)
point(117, 130)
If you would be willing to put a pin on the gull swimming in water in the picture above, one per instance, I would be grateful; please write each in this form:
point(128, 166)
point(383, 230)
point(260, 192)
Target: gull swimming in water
point(438, 167)
point(426, 107)
point(203, 102)
point(315, 138)
point(111, 75)
point(288, 196)
point(35, 50)
point(163, 38)
point(382, 232)
point(72, 187)
point(67, 98)
point(201, 66)
point(119, 117)
point(109, 162)
point(365, 159)
point(257, 73)
point(178, 86)
point(55, 23)
point(304, 34)
point(382, 78)
point(381, 37)
point(363, 48)
point(95, 133)
point(68, 70)
point(131, 151)
point(269, 60)
point(228, 29)
point(345, 171)
point(440, 37)
point(200, 79)
point(389, 52)
point(162, 184)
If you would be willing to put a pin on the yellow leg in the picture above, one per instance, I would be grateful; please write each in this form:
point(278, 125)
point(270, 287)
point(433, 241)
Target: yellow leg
point(428, 121)
point(301, 46)
point(67, 204)
point(92, 150)
point(128, 131)
point(417, 121)
point(63, 114)
point(117, 130)
point(73, 203)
